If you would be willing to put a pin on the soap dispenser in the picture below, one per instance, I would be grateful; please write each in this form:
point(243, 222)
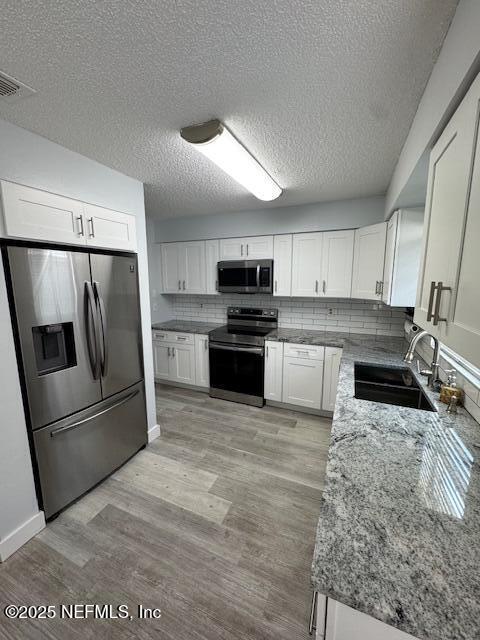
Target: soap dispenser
point(450, 390)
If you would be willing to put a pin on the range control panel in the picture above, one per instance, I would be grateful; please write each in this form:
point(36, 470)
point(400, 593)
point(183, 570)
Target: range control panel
point(251, 312)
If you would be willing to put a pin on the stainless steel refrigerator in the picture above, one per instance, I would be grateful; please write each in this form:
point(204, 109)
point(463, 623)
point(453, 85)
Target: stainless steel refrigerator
point(77, 322)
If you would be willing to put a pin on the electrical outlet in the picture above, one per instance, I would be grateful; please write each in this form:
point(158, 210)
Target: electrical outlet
point(331, 311)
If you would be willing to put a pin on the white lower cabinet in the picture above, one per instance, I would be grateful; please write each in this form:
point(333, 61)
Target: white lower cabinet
point(331, 370)
point(303, 376)
point(273, 370)
point(202, 363)
point(174, 357)
point(344, 623)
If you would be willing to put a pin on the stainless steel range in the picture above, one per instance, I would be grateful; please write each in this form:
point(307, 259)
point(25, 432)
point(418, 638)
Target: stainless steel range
point(237, 354)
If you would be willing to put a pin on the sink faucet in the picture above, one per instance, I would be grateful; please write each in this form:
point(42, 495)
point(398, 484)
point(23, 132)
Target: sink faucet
point(432, 373)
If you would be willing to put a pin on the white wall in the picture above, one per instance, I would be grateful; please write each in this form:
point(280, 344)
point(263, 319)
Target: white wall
point(323, 216)
point(31, 160)
point(454, 70)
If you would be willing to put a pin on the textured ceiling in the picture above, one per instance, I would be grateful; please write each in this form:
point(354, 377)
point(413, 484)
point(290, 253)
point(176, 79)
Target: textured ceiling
point(322, 92)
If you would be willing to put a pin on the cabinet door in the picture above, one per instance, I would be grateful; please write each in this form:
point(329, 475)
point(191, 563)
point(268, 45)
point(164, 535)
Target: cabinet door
point(273, 370)
point(345, 623)
point(183, 363)
point(37, 215)
point(331, 370)
point(202, 371)
point(306, 264)
point(233, 249)
point(302, 382)
point(282, 265)
point(337, 263)
point(447, 200)
point(212, 256)
point(461, 332)
point(161, 360)
point(392, 225)
point(368, 261)
point(191, 260)
point(170, 271)
point(259, 247)
point(110, 229)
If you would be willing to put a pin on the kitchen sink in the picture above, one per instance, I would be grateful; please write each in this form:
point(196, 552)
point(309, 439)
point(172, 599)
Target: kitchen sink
point(390, 385)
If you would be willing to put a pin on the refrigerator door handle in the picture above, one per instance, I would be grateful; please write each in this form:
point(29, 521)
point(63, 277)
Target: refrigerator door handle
point(92, 330)
point(104, 327)
point(78, 423)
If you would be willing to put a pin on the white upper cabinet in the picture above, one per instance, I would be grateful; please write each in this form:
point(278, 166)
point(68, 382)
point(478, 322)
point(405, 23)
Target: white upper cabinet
point(448, 301)
point(337, 260)
point(183, 267)
point(109, 229)
point(273, 370)
point(192, 266)
point(253, 248)
point(282, 265)
point(368, 261)
point(172, 282)
point(402, 258)
point(32, 214)
point(306, 264)
point(37, 215)
point(212, 256)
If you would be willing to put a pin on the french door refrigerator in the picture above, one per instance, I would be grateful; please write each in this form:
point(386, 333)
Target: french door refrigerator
point(79, 341)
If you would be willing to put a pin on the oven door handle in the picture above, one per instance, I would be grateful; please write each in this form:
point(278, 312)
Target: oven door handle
point(227, 347)
point(258, 276)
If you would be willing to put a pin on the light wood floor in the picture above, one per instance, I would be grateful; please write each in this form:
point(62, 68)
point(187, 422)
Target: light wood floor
point(213, 523)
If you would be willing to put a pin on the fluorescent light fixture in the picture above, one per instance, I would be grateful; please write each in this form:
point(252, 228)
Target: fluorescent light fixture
point(216, 142)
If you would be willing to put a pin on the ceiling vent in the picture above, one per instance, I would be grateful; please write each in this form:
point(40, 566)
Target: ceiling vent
point(12, 90)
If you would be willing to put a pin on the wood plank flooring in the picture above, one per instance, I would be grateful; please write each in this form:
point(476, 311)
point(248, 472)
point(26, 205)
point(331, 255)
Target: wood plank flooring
point(213, 523)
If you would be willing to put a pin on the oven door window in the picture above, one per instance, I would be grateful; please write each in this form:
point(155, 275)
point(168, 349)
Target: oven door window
point(237, 277)
point(238, 369)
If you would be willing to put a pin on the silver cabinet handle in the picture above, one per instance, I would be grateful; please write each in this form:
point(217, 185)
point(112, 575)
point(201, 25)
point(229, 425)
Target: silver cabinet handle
point(81, 231)
point(258, 276)
point(436, 315)
point(247, 249)
point(216, 285)
point(173, 352)
point(168, 351)
point(275, 286)
point(181, 337)
point(241, 250)
point(92, 228)
point(267, 352)
point(316, 286)
point(205, 342)
point(179, 285)
point(377, 287)
point(433, 287)
point(184, 285)
point(380, 287)
point(324, 287)
point(313, 611)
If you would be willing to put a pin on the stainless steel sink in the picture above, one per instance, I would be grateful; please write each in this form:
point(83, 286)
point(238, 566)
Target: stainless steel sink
point(390, 385)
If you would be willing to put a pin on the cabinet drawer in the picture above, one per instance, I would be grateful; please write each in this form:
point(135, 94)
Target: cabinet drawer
point(172, 336)
point(306, 351)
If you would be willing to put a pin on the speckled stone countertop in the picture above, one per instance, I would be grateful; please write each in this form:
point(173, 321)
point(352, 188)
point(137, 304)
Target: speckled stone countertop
point(186, 326)
point(398, 536)
point(305, 336)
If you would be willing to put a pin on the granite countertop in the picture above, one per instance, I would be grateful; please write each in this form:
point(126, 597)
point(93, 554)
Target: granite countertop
point(185, 326)
point(305, 336)
point(398, 536)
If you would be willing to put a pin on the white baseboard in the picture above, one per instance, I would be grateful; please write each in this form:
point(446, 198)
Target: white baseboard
point(153, 433)
point(21, 535)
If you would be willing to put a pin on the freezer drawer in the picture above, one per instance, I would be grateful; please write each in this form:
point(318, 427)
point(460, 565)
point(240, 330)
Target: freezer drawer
point(76, 453)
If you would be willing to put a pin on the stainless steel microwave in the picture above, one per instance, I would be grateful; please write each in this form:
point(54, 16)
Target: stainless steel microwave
point(245, 276)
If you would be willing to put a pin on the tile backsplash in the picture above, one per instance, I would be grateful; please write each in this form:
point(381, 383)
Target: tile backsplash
point(349, 316)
